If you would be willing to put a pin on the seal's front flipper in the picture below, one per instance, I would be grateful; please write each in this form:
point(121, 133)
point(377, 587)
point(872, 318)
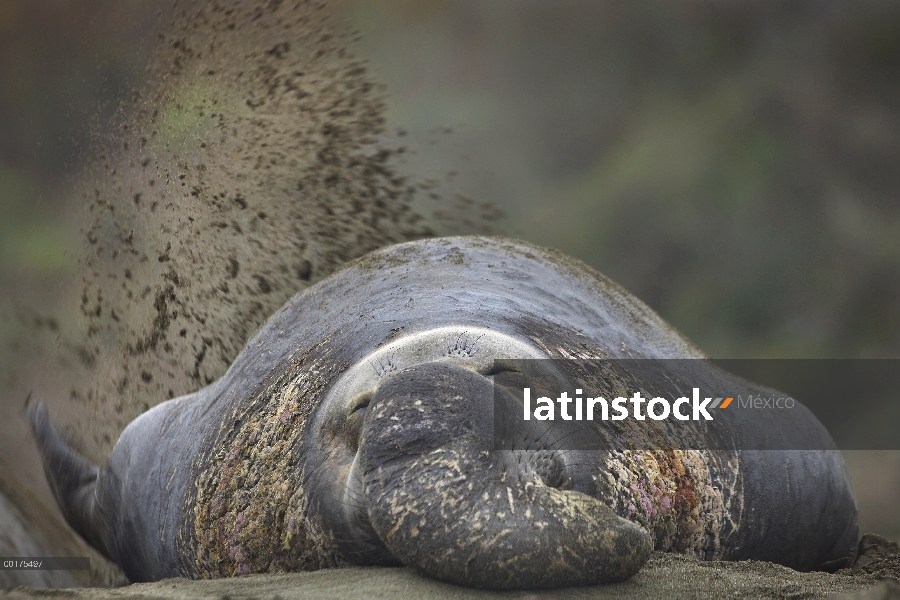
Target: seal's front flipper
point(72, 478)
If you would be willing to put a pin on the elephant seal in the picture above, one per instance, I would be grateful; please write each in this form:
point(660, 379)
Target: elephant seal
point(353, 428)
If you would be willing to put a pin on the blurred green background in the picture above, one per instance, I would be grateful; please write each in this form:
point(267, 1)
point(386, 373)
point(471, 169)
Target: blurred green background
point(736, 165)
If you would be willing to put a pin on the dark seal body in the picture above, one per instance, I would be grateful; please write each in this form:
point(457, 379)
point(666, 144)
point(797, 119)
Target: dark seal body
point(350, 431)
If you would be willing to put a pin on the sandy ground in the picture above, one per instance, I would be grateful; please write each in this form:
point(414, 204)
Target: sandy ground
point(665, 576)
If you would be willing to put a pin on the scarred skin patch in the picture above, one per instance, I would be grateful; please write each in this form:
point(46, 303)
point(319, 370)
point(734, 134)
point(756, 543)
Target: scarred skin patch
point(250, 512)
point(682, 497)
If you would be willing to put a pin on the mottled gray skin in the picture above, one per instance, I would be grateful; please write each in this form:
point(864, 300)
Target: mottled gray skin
point(352, 429)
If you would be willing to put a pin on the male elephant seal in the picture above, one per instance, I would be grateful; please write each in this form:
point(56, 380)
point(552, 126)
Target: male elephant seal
point(354, 428)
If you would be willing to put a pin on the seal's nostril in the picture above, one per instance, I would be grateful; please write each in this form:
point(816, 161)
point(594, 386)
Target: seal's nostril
point(551, 469)
point(564, 483)
point(556, 479)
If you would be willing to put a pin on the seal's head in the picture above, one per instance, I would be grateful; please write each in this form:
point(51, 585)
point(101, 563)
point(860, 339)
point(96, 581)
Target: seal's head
point(414, 422)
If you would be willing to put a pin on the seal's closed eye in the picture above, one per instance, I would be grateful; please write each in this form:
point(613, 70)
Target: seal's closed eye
point(353, 427)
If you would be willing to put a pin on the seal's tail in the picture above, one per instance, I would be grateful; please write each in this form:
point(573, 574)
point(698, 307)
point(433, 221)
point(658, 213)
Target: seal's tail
point(72, 478)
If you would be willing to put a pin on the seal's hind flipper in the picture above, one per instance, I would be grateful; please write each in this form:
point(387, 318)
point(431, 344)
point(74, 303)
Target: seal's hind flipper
point(72, 478)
